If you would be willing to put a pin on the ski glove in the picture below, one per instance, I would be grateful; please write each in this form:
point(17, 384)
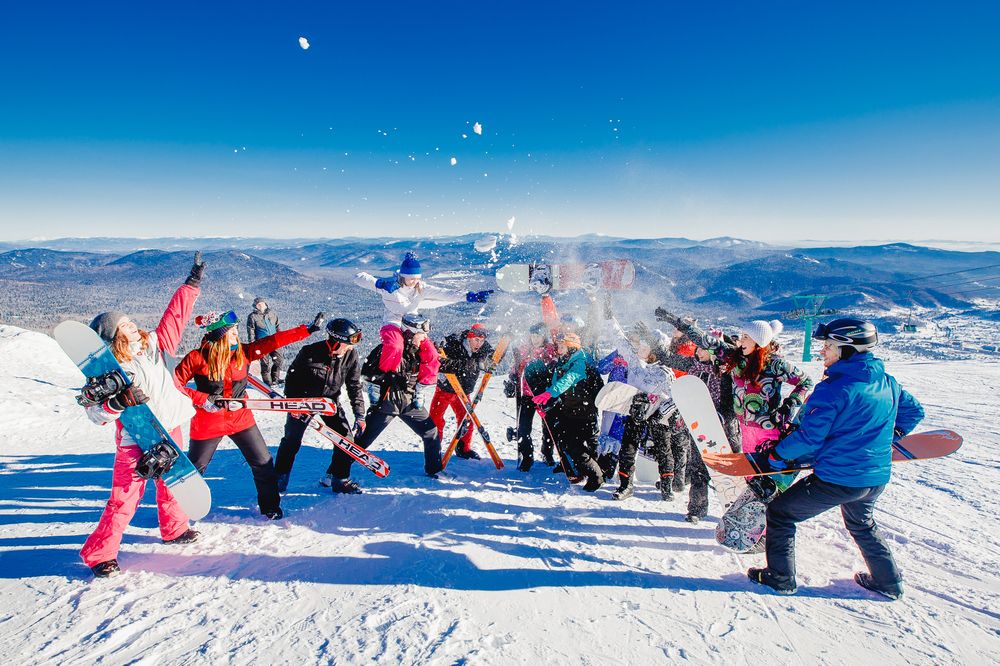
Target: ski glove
point(420, 395)
point(197, 271)
point(669, 317)
point(210, 403)
point(387, 284)
point(128, 397)
point(776, 462)
point(478, 296)
point(542, 398)
point(359, 427)
point(785, 412)
point(317, 324)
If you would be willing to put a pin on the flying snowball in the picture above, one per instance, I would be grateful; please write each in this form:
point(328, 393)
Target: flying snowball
point(477, 128)
point(486, 243)
point(304, 43)
point(454, 161)
point(510, 224)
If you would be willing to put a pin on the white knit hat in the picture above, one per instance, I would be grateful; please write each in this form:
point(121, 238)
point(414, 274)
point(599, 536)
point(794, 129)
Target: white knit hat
point(763, 332)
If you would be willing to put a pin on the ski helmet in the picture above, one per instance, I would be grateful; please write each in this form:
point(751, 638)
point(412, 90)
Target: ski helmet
point(343, 330)
point(477, 330)
point(856, 334)
point(414, 322)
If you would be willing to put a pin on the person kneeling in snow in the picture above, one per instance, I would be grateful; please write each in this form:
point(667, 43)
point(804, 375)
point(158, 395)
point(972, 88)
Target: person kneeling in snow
point(847, 430)
point(391, 393)
point(141, 355)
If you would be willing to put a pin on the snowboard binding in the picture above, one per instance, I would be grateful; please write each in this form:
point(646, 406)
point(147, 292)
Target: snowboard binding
point(511, 433)
point(540, 279)
point(101, 388)
point(157, 461)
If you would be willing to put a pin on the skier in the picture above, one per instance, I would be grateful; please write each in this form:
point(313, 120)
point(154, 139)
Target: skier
point(322, 369)
point(465, 355)
point(393, 393)
point(575, 382)
point(405, 293)
point(536, 346)
point(848, 427)
point(219, 369)
point(141, 355)
point(653, 414)
point(759, 371)
point(262, 322)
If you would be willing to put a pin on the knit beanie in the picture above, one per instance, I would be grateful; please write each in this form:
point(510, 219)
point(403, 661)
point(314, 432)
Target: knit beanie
point(106, 324)
point(410, 266)
point(477, 330)
point(763, 332)
point(257, 301)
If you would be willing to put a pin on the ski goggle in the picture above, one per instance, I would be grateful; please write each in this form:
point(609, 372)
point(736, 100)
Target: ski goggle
point(353, 339)
point(216, 320)
point(823, 332)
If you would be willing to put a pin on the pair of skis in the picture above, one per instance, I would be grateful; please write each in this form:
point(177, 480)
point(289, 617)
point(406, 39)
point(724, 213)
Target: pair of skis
point(470, 417)
point(321, 406)
point(376, 465)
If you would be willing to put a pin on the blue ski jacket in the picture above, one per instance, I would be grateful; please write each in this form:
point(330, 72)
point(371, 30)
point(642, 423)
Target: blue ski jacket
point(848, 423)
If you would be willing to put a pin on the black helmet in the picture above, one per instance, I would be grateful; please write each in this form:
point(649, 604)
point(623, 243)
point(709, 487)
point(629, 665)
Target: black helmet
point(343, 330)
point(414, 322)
point(857, 334)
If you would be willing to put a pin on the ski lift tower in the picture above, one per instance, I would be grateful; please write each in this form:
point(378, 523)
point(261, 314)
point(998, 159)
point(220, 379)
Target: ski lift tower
point(808, 308)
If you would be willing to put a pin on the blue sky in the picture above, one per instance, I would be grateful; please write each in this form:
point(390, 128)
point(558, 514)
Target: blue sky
point(767, 120)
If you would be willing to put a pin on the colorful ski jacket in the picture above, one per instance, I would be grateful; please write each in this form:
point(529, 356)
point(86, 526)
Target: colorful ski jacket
point(576, 380)
point(755, 402)
point(149, 370)
point(407, 300)
point(209, 425)
point(848, 425)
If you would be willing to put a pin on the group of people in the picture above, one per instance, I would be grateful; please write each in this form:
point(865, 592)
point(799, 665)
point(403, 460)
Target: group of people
point(846, 427)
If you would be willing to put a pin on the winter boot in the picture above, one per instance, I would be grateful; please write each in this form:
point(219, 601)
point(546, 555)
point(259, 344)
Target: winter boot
point(693, 519)
point(326, 481)
point(666, 487)
point(594, 473)
point(283, 483)
point(467, 454)
point(865, 580)
point(277, 514)
point(765, 577)
point(626, 488)
point(525, 460)
point(547, 453)
point(345, 486)
point(187, 537)
point(108, 569)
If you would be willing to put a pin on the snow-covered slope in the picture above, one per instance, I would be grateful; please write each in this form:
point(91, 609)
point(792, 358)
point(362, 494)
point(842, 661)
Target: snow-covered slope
point(489, 567)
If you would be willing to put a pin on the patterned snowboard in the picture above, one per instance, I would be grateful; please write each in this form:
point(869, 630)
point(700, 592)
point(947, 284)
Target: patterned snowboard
point(94, 358)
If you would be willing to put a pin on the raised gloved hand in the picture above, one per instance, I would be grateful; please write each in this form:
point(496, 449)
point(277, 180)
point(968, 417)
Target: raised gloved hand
point(210, 405)
point(387, 284)
point(130, 396)
point(478, 296)
point(359, 427)
point(776, 462)
point(663, 314)
point(542, 398)
point(318, 323)
point(197, 271)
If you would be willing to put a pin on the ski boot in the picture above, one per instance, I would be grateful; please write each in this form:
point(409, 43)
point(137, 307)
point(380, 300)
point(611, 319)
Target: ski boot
point(626, 488)
point(283, 483)
point(693, 519)
point(277, 514)
point(665, 484)
point(865, 580)
point(188, 536)
point(108, 569)
point(327, 480)
point(525, 459)
point(346, 487)
point(765, 577)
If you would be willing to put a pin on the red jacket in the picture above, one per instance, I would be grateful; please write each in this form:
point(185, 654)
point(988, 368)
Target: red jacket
point(209, 425)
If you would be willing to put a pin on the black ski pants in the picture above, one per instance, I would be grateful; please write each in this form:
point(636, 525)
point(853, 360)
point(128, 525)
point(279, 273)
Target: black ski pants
point(291, 442)
point(576, 432)
point(811, 497)
point(251, 444)
point(665, 444)
point(525, 421)
point(418, 420)
point(697, 476)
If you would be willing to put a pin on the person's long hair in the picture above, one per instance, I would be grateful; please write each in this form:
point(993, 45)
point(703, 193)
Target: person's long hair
point(121, 349)
point(749, 367)
point(219, 357)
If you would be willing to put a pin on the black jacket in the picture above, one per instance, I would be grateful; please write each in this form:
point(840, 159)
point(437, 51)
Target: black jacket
point(462, 363)
point(397, 388)
point(317, 373)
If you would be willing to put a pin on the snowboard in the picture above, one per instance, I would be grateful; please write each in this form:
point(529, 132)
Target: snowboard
point(917, 446)
point(95, 360)
point(616, 398)
point(541, 278)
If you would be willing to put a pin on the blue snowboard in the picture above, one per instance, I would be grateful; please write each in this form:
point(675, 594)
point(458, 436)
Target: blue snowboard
point(94, 359)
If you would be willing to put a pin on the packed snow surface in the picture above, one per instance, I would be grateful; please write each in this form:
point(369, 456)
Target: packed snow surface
point(487, 567)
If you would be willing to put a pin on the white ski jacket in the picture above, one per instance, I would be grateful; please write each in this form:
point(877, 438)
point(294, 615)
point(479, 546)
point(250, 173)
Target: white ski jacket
point(407, 300)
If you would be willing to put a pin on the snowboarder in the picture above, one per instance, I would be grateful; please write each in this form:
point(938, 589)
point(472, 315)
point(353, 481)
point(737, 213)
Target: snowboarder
point(759, 371)
point(537, 346)
point(465, 355)
point(219, 368)
point(847, 429)
point(141, 354)
point(392, 393)
point(322, 369)
point(405, 293)
point(609, 442)
point(262, 322)
point(575, 383)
